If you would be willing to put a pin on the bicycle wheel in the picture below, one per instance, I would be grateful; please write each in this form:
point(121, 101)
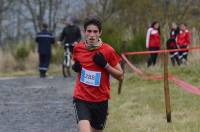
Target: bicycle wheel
point(66, 67)
point(66, 71)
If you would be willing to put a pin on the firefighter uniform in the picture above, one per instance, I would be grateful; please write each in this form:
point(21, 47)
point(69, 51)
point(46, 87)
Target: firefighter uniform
point(44, 39)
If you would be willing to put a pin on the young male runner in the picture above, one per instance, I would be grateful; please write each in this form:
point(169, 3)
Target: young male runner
point(94, 62)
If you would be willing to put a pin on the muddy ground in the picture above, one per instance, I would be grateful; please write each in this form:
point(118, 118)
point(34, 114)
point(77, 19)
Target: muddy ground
point(32, 104)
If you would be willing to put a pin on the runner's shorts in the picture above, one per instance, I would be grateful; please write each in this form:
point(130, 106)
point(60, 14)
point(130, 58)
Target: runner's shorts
point(95, 112)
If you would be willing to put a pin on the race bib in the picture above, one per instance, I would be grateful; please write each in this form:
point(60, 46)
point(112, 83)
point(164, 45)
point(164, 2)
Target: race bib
point(90, 77)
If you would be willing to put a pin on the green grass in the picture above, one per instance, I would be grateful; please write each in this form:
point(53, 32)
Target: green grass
point(141, 108)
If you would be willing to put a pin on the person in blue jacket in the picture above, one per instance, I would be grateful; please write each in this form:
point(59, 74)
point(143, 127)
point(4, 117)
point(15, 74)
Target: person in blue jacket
point(44, 39)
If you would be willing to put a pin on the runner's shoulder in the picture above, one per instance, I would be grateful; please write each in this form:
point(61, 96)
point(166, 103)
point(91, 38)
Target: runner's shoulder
point(79, 44)
point(107, 46)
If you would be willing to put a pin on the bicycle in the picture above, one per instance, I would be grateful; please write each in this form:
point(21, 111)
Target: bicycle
point(66, 65)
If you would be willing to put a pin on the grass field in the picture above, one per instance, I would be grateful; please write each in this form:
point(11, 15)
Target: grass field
point(141, 108)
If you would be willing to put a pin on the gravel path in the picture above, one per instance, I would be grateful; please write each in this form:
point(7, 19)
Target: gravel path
point(32, 104)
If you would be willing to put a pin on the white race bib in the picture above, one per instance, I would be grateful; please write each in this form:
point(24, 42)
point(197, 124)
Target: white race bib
point(90, 77)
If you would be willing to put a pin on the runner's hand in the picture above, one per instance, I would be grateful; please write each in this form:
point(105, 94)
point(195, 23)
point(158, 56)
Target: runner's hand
point(77, 66)
point(100, 60)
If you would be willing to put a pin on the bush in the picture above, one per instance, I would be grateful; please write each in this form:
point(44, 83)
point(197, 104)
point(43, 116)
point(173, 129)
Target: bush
point(31, 46)
point(113, 36)
point(22, 52)
point(57, 55)
point(137, 43)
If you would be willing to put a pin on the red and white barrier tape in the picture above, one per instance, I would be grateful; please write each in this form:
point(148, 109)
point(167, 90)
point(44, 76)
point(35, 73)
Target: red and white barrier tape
point(161, 51)
point(182, 84)
point(185, 86)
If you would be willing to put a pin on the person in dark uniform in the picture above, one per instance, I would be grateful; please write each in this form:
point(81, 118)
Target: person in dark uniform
point(44, 40)
point(71, 34)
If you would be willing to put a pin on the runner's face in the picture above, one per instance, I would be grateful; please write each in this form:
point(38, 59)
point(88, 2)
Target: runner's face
point(92, 34)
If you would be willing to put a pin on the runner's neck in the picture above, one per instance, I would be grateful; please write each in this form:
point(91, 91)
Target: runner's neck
point(93, 46)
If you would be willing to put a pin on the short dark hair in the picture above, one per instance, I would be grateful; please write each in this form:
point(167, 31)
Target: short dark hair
point(93, 21)
point(44, 25)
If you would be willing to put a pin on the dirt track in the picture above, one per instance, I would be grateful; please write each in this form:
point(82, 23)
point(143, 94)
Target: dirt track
point(32, 104)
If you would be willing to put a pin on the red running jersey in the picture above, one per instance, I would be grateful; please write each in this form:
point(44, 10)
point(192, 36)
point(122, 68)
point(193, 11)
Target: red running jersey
point(88, 92)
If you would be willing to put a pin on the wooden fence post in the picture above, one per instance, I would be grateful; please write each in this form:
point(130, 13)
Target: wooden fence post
point(123, 48)
point(166, 89)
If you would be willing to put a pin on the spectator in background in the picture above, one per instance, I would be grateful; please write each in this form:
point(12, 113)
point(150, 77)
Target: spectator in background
point(71, 33)
point(171, 44)
point(183, 41)
point(153, 42)
point(44, 40)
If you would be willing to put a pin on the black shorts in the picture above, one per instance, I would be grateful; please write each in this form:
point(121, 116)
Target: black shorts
point(95, 113)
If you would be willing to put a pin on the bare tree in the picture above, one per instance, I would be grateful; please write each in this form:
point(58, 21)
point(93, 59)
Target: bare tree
point(36, 11)
point(102, 8)
point(4, 6)
point(44, 10)
point(21, 19)
point(134, 15)
point(54, 5)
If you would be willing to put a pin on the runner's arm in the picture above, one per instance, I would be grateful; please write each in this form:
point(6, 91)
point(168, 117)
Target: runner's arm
point(115, 71)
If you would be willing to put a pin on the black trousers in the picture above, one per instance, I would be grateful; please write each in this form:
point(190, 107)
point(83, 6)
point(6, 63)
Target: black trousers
point(174, 56)
point(183, 54)
point(44, 61)
point(153, 57)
